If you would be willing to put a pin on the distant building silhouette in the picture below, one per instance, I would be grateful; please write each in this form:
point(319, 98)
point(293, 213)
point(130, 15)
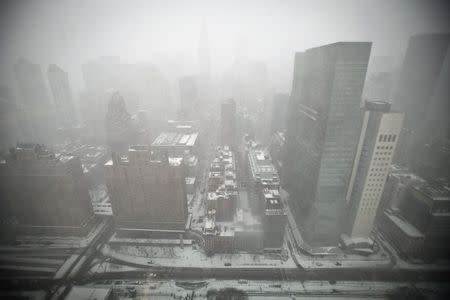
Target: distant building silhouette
point(422, 66)
point(119, 132)
point(279, 112)
point(36, 115)
point(31, 84)
point(43, 193)
point(62, 94)
point(228, 124)
point(189, 98)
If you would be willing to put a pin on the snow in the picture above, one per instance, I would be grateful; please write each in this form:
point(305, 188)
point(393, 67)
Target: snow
point(405, 226)
point(189, 256)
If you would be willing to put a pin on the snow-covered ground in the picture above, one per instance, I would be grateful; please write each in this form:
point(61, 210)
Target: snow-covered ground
point(191, 256)
point(169, 289)
point(100, 200)
point(403, 264)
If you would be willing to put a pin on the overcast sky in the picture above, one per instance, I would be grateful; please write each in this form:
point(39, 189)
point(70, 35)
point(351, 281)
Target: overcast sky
point(70, 32)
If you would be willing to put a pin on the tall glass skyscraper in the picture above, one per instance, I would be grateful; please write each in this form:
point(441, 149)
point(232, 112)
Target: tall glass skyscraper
point(328, 132)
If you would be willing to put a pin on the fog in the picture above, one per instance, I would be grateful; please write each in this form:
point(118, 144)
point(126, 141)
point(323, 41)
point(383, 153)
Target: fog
point(224, 149)
point(166, 33)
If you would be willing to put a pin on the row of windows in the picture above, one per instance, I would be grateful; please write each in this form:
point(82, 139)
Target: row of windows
point(381, 158)
point(378, 169)
point(387, 138)
point(385, 147)
point(375, 179)
point(379, 164)
point(383, 153)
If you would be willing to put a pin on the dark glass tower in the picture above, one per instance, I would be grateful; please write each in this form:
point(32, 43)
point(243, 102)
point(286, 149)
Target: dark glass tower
point(327, 132)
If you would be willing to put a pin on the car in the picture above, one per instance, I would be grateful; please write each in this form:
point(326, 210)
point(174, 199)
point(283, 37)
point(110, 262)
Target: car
point(338, 264)
point(227, 264)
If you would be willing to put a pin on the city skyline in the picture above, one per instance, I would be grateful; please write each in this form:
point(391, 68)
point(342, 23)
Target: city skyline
point(278, 150)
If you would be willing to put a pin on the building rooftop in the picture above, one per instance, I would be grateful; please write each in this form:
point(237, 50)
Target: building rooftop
point(88, 293)
point(175, 139)
point(261, 166)
point(405, 226)
point(376, 105)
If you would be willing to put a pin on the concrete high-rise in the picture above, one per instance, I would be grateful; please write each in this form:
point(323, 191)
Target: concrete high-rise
point(290, 160)
point(31, 84)
point(44, 193)
point(327, 131)
point(62, 94)
point(203, 54)
point(422, 66)
point(189, 98)
point(36, 115)
point(147, 193)
point(377, 142)
point(228, 124)
point(279, 111)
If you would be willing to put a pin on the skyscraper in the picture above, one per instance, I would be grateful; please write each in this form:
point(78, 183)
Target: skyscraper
point(421, 67)
point(228, 124)
point(279, 111)
point(189, 97)
point(118, 126)
point(377, 143)
point(291, 169)
point(43, 193)
point(62, 94)
point(31, 84)
point(327, 135)
point(147, 192)
point(423, 63)
point(36, 114)
point(203, 53)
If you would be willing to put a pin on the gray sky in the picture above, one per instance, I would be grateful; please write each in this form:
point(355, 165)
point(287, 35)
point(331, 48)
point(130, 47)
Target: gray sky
point(70, 32)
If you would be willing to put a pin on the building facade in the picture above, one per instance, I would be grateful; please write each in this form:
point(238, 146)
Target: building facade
point(44, 193)
point(377, 143)
point(426, 59)
point(326, 136)
point(62, 94)
point(420, 226)
point(147, 192)
point(228, 124)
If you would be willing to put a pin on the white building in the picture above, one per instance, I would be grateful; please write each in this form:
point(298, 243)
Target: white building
point(376, 147)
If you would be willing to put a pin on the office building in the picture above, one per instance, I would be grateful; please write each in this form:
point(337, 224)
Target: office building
point(290, 159)
point(222, 195)
point(262, 175)
point(274, 219)
point(397, 182)
point(176, 144)
point(31, 84)
point(36, 114)
point(119, 132)
point(228, 124)
point(422, 66)
point(279, 112)
point(377, 142)
point(189, 98)
point(43, 193)
point(328, 116)
point(420, 226)
point(147, 192)
point(277, 151)
point(62, 94)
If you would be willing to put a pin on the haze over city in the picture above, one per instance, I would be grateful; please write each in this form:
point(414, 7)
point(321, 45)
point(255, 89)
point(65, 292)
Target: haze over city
point(224, 149)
